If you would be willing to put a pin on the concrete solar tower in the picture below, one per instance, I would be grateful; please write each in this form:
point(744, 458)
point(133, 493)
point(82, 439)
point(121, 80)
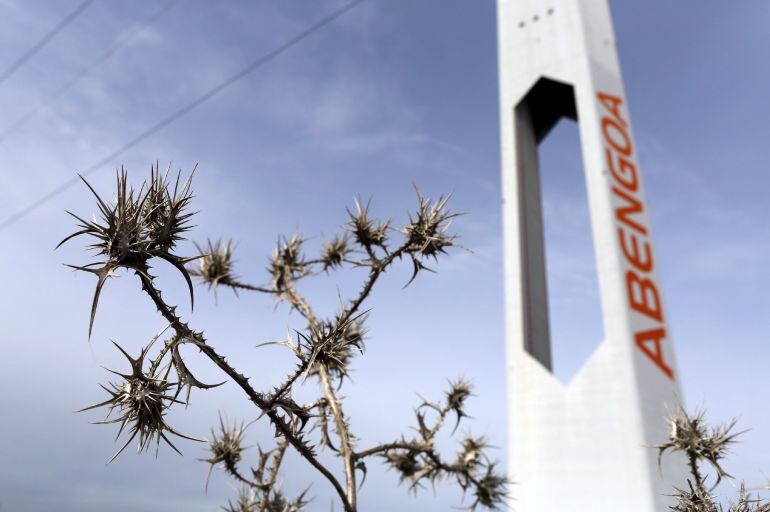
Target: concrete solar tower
point(580, 446)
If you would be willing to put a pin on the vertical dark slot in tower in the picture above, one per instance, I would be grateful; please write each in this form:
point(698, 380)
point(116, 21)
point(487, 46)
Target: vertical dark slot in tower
point(563, 315)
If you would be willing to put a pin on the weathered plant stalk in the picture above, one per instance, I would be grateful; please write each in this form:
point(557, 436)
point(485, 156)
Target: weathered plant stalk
point(343, 432)
point(275, 466)
point(184, 331)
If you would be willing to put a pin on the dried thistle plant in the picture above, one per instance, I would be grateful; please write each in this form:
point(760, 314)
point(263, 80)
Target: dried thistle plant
point(140, 226)
point(702, 443)
point(418, 461)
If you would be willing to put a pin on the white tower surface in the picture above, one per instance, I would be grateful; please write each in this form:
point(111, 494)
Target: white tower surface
point(581, 446)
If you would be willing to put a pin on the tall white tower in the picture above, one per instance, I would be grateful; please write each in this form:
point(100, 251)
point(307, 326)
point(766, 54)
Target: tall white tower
point(581, 446)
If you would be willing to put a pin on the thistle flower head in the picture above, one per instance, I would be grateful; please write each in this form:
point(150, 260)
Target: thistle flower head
point(333, 343)
point(335, 251)
point(287, 262)
point(278, 502)
point(405, 462)
point(215, 264)
point(427, 232)
point(690, 434)
point(246, 501)
point(701, 500)
point(165, 211)
point(141, 401)
point(136, 227)
point(694, 500)
point(226, 446)
point(472, 452)
point(490, 491)
point(366, 231)
point(747, 503)
point(459, 391)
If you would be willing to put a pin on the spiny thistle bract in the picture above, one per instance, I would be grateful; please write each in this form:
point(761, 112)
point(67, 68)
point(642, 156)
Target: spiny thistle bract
point(287, 262)
point(246, 501)
point(277, 502)
point(215, 264)
point(141, 401)
point(472, 452)
point(249, 500)
point(165, 213)
point(332, 344)
point(690, 435)
point(405, 462)
point(136, 227)
point(695, 500)
point(367, 232)
point(226, 446)
point(459, 391)
point(427, 231)
point(335, 251)
point(490, 491)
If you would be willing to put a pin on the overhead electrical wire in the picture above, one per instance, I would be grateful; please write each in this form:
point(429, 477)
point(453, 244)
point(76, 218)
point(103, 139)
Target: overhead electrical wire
point(152, 130)
point(135, 31)
point(18, 63)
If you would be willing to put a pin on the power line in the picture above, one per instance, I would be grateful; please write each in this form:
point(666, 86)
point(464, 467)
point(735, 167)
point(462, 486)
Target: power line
point(109, 52)
point(43, 41)
point(256, 64)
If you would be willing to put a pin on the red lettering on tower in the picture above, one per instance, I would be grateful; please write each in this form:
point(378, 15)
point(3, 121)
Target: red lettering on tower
point(641, 289)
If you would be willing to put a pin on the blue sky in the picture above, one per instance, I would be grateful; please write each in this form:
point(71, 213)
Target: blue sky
point(392, 93)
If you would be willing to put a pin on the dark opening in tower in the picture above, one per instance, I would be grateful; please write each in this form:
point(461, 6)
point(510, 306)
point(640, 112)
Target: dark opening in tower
point(562, 317)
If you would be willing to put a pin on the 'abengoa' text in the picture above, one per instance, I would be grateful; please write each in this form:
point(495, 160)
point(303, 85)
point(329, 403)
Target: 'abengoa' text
point(633, 234)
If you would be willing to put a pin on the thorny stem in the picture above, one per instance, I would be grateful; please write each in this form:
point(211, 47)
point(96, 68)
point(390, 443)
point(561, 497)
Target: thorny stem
point(439, 422)
point(238, 285)
point(167, 345)
point(276, 465)
point(184, 331)
point(381, 448)
point(423, 448)
point(346, 448)
point(300, 304)
point(695, 471)
point(233, 470)
point(377, 268)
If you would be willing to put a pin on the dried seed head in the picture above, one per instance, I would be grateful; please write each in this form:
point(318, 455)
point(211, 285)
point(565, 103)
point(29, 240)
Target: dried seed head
point(691, 435)
point(458, 393)
point(426, 232)
point(332, 344)
point(246, 501)
point(472, 453)
point(694, 500)
point(165, 212)
point(366, 231)
point(335, 251)
point(490, 491)
point(135, 228)
point(747, 503)
point(287, 262)
point(405, 462)
point(226, 446)
point(215, 264)
point(141, 401)
point(277, 502)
